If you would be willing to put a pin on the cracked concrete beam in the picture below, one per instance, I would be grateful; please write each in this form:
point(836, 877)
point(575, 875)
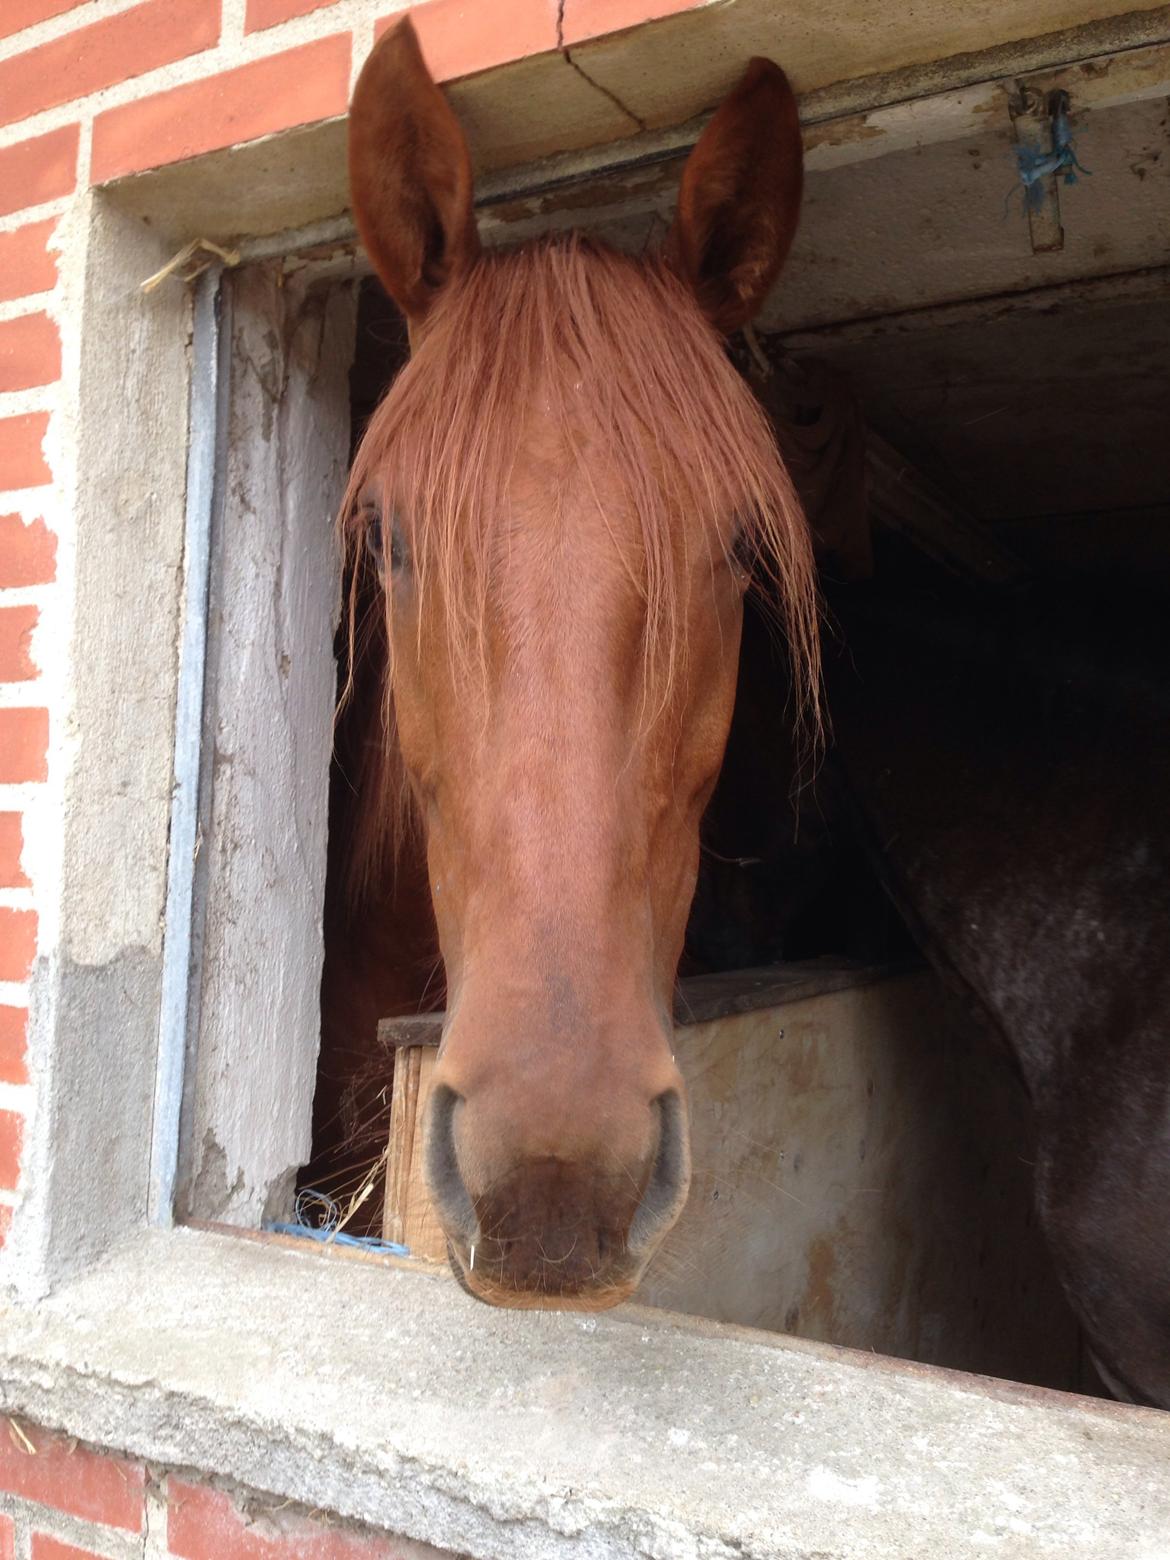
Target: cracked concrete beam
point(680, 67)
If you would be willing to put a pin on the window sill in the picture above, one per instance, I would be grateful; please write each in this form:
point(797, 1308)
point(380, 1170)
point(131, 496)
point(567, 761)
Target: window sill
point(383, 1394)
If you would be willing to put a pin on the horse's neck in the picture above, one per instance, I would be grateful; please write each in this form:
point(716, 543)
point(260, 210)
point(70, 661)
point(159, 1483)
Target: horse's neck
point(1012, 805)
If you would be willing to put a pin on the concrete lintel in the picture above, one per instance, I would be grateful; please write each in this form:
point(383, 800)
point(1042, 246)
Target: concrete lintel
point(387, 1396)
point(539, 124)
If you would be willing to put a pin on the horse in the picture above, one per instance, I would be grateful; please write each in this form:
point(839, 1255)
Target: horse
point(551, 524)
point(1008, 762)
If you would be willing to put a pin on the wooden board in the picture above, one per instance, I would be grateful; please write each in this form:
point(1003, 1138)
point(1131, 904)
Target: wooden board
point(700, 998)
point(861, 1176)
point(270, 692)
point(409, 1217)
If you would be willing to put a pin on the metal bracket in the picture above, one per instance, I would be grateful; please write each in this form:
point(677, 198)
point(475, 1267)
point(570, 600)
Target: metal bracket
point(1032, 116)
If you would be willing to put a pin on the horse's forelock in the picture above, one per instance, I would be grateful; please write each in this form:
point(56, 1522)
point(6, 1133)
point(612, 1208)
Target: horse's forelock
point(625, 365)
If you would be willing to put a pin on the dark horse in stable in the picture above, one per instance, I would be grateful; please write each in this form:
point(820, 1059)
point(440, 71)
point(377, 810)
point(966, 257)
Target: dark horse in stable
point(1009, 761)
point(565, 494)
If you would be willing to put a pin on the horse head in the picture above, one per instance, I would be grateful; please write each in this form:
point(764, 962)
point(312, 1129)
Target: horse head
point(566, 493)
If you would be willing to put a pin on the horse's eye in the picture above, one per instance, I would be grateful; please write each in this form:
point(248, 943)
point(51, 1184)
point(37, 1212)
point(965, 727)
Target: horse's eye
point(375, 540)
point(373, 535)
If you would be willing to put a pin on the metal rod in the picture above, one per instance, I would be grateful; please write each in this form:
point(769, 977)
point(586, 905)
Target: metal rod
point(207, 409)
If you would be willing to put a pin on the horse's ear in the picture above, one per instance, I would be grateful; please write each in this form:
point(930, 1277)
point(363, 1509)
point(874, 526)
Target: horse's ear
point(739, 200)
point(409, 175)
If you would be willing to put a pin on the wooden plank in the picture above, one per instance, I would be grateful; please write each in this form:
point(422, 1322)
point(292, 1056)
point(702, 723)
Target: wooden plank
point(861, 1177)
point(268, 735)
point(414, 1030)
point(699, 998)
point(403, 1116)
point(409, 1215)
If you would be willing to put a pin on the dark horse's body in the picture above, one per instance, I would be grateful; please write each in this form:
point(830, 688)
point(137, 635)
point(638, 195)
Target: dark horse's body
point(1011, 767)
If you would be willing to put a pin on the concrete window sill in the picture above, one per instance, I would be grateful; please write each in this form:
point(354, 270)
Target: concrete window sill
point(385, 1395)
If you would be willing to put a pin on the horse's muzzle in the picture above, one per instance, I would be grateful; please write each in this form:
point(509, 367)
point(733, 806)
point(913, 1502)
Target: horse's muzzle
point(552, 1232)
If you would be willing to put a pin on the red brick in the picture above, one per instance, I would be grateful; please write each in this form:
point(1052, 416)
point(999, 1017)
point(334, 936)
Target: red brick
point(22, 461)
point(16, 628)
point(459, 37)
point(18, 943)
point(24, 745)
point(30, 352)
point(591, 18)
point(7, 1527)
point(11, 844)
point(28, 553)
point(45, 1547)
point(39, 169)
point(11, 1143)
point(73, 1479)
point(27, 265)
point(267, 13)
point(114, 49)
point(204, 1524)
point(15, 15)
point(13, 1040)
point(294, 88)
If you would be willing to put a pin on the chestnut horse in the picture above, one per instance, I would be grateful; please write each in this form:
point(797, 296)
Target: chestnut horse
point(565, 494)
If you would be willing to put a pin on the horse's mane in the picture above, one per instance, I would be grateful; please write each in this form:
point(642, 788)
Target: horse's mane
point(629, 370)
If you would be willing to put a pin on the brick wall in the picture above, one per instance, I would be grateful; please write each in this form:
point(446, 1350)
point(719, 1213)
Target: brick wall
point(62, 1501)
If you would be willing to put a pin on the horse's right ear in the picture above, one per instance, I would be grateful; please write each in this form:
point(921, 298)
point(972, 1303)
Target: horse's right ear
point(409, 175)
point(739, 200)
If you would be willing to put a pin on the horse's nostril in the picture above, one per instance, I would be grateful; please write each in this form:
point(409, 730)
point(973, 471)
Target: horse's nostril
point(443, 1176)
point(523, 1222)
point(669, 1179)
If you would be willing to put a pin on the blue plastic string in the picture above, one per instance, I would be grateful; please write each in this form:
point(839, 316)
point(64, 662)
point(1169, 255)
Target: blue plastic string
point(1034, 165)
point(316, 1216)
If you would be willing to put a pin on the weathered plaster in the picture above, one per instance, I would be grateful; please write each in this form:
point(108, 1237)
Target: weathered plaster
point(119, 457)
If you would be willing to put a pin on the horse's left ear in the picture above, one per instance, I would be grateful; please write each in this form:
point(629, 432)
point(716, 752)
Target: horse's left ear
point(739, 200)
point(409, 175)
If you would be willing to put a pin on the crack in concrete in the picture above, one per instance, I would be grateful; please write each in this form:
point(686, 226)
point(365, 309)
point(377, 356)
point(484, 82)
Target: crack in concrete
point(584, 74)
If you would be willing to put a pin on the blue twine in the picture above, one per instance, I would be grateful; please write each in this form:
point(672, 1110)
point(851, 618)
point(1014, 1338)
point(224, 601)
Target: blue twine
point(312, 1205)
point(1062, 159)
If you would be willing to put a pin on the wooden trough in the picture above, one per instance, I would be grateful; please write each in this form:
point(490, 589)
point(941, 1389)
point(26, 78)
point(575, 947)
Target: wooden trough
point(861, 1172)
